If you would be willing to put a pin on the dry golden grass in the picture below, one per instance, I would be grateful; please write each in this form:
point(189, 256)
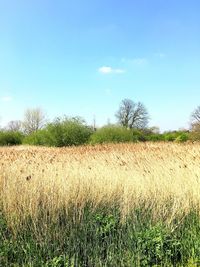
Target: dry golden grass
point(163, 177)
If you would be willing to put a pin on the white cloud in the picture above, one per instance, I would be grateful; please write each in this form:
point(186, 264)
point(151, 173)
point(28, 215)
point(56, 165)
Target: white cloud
point(140, 61)
point(109, 70)
point(6, 98)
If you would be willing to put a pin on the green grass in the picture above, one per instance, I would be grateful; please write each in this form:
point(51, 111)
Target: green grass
point(99, 238)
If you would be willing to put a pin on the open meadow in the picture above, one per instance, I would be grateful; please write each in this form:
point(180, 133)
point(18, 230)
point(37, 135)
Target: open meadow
point(104, 205)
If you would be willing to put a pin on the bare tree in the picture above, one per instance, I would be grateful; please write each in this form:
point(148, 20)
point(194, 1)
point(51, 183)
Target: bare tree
point(34, 119)
point(195, 127)
point(14, 125)
point(195, 116)
point(132, 115)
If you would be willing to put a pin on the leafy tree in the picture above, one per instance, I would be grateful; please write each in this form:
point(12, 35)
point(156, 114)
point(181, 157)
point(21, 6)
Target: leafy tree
point(132, 115)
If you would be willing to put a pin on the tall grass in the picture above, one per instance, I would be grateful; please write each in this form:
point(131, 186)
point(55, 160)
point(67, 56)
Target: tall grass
point(109, 205)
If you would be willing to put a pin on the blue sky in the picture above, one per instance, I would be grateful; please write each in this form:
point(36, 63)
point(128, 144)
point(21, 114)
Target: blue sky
point(83, 57)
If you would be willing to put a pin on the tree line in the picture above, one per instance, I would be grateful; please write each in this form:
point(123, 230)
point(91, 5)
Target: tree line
point(132, 126)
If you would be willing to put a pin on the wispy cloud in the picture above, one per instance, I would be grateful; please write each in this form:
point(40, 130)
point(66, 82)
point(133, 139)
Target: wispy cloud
point(6, 98)
point(109, 70)
point(140, 61)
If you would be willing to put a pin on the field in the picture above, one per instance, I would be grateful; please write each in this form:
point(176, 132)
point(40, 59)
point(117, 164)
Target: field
point(106, 205)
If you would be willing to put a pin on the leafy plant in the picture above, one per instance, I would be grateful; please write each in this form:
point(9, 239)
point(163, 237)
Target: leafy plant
point(10, 138)
point(111, 134)
point(61, 132)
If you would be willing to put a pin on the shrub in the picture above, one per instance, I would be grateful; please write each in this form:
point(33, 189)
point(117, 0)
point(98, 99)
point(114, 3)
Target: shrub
point(139, 135)
point(155, 137)
point(182, 137)
point(178, 136)
point(170, 137)
point(39, 137)
point(61, 132)
point(112, 134)
point(67, 132)
point(10, 138)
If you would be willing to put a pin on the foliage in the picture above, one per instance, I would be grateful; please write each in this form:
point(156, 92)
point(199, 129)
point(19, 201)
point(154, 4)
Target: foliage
point(74, 131)
point(178, 136)
point(114, 134)
point(61, 132)
point(68, 132)
point(183, 137)
point(39, 137)
point(10, 138)
point(155, 137)
point(100, 239)
point(111, 134)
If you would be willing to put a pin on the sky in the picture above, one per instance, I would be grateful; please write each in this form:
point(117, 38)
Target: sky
point(81, 58)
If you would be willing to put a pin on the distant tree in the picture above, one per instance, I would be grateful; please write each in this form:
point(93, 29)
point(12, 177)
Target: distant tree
point(195, 127)
point(154, 129)
point(195, 116)
point(34, 119)
point(14, 126)
point(132, 115)
point(195, 131)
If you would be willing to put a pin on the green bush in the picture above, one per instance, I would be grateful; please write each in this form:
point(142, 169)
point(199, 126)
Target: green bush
point(68, 132)
point(178, 136)
point(61, 132)
point(139, 135)
point(169, 137)
point(112, 134)
point(37, 138)
point(182, 137)
point(155, 137)
point(10, 138)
